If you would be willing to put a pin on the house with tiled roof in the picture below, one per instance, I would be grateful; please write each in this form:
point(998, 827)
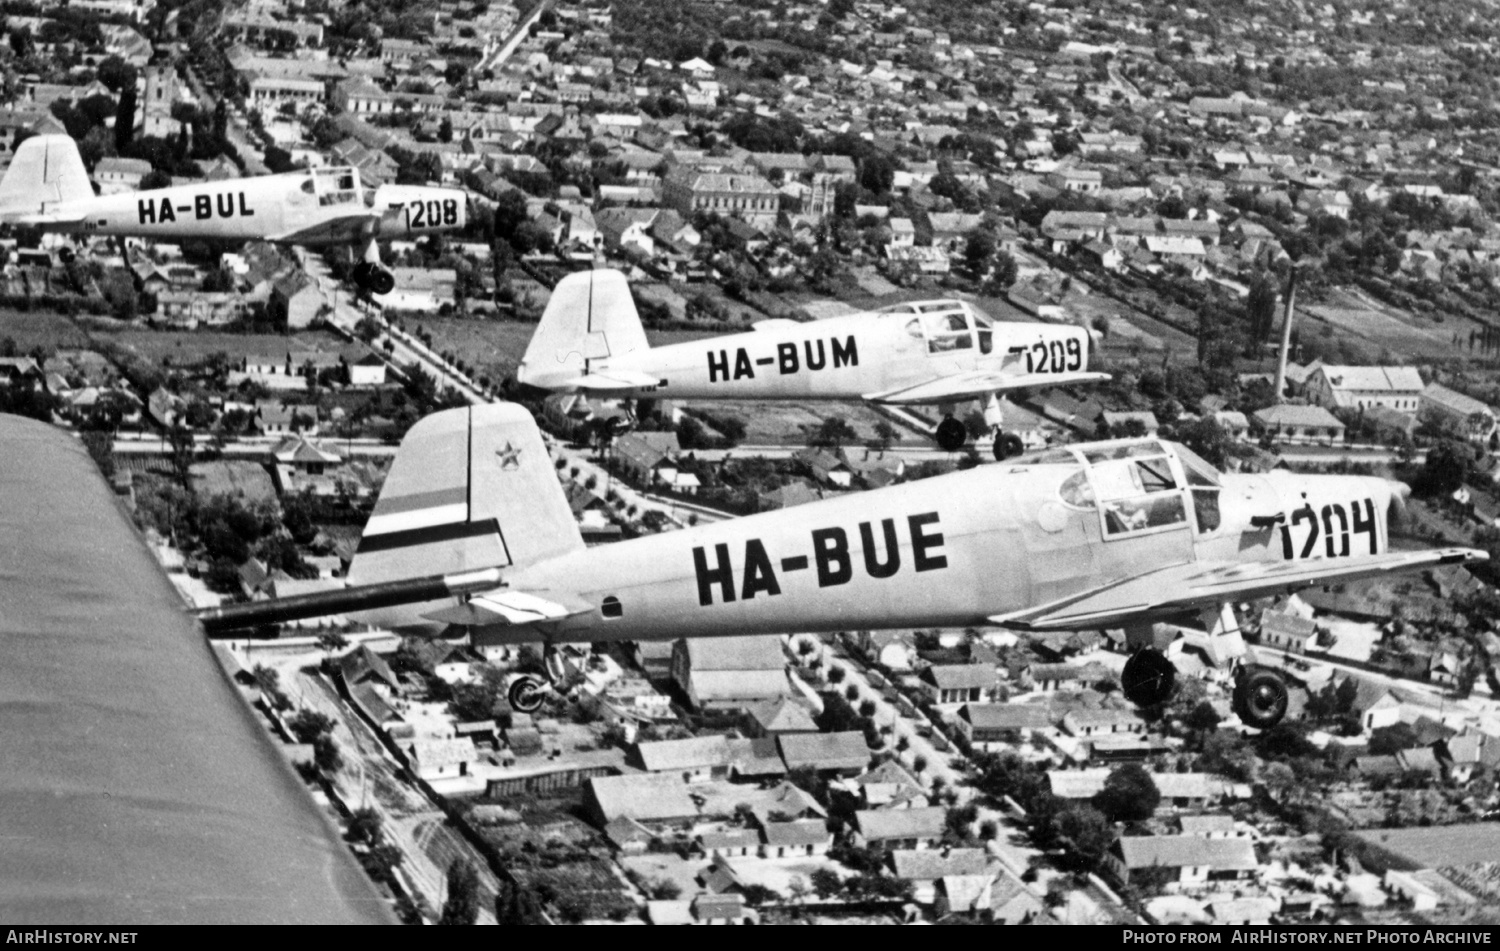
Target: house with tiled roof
point(899, 828)
point(958, 683)
point(844, 754)
point(1345, 387)
point(1299, 424)
point(1196, 860)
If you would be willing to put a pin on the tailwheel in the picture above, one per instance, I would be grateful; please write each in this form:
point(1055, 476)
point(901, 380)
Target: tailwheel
point(951, 434)
point(1007, 445)
point(526, 693)
point(1260, 697)
point(1148, 677)
point(66, 254)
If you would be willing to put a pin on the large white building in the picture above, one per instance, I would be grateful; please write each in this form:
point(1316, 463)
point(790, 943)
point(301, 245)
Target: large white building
point(1398, 388)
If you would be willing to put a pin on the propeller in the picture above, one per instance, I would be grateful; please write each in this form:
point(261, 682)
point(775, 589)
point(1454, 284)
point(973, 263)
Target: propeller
point(1396, 516)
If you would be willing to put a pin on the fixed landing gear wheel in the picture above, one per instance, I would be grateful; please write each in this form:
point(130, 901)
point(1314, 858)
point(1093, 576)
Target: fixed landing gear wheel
point(525, 694)
point(66, 255)
point(1148, 678)
point(1007, 445)
point(1260, 698)
point(383, 282)
point(951, 435)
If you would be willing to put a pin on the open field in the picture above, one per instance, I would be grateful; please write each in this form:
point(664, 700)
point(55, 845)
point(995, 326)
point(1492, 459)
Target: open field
point(31, 329)
point(1361, 316)
point(190, 346)
point(775, 422)
point(1440, 846)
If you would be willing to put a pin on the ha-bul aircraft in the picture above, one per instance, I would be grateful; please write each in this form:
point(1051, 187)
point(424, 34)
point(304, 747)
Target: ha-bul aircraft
point(47, 187)
point(473, 534)
point(941, 353)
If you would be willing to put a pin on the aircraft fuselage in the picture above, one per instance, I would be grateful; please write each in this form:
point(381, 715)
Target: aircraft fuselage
point(847, 357)
point(311, 208)
point(950, 551)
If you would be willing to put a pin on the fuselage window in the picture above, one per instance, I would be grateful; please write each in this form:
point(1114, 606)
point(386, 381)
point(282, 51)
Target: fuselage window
point(985, 332)
point(611, 607)
point(948, 332)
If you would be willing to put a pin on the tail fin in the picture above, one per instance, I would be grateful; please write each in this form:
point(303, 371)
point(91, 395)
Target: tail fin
point(469, 488)
point(45, 171)
point(590, 316)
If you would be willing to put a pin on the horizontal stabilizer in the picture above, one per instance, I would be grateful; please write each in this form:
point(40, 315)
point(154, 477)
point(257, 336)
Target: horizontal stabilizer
point(612, 380)
point(504, 607)
point(976, 385)
point(50, 221)
point(1169, 592)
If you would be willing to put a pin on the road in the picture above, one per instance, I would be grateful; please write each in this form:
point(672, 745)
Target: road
point(238, 135)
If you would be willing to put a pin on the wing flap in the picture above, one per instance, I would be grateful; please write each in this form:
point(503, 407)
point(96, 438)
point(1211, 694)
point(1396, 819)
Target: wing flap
point(504, 608)
point(1181, 588)
point(965, 386)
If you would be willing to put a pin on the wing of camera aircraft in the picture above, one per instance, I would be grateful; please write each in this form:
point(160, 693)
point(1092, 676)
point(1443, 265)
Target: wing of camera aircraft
point(134, 786)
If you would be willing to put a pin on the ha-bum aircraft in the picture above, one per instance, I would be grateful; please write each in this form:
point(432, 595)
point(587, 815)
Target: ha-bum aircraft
point(940, 352)
point(47, 187)
point(472, 533)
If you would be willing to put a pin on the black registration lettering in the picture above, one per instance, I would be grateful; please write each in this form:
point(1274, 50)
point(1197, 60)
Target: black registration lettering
point(786, 356)
point(831, 553)
point(874, 566)
point(225, 204)
point(450, 211)
point(846, 355)
point(743, 369)
point(1330, 512)
point(923, 544)
point(1365, 524)
point(203, 207)
point(416, 215)
point(722, 574)
point(759, 575)
point(245, 211)
point(718, 369)
point(1075, 354)
point(146, 209)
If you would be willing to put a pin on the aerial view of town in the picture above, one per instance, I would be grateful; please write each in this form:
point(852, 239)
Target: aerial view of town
point(1273, 224)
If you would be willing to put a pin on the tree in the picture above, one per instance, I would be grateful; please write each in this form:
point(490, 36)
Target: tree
point(1260, 309)
point(1203, 718)
point(515, 905)
point(462, 906)
point(1390, 740)
point(184, 448)
point(825, 882)
point(308, 725)
point(833, 433)
point(1446, 468)
point(331, 641)
point(1084, 835)
point(125, 117)
point(1129, 795)
point(326, 755)
point(101, 450)
point(364, 826)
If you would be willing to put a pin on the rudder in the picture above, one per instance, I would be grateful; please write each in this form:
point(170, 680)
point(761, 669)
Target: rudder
point(45, 171)
point(591, 316)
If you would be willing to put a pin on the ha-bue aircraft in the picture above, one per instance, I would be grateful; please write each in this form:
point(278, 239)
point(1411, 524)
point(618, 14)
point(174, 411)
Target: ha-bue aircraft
point(472, 533)
point(932, 353)
point(47, 187)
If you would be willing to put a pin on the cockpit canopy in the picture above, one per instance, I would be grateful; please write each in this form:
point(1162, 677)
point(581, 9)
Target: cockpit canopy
point(946, 325)
point(334, 185)
point(1137, 485)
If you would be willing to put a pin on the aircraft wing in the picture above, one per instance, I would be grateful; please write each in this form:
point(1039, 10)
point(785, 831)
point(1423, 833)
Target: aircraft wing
point(977, 384)
point(345, 228)
point(136, 787)
point(1168, 592)
point(504, 608)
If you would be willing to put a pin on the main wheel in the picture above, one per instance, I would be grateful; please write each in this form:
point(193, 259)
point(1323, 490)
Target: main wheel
point(1148, 677)
point(1007, 445)
point(66, 255)
point(525, 694)
point(383, 282)
point(951, 435)
point(1260, 698)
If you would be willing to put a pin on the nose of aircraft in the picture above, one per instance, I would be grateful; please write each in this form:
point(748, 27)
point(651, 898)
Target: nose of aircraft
point(1395, 513)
